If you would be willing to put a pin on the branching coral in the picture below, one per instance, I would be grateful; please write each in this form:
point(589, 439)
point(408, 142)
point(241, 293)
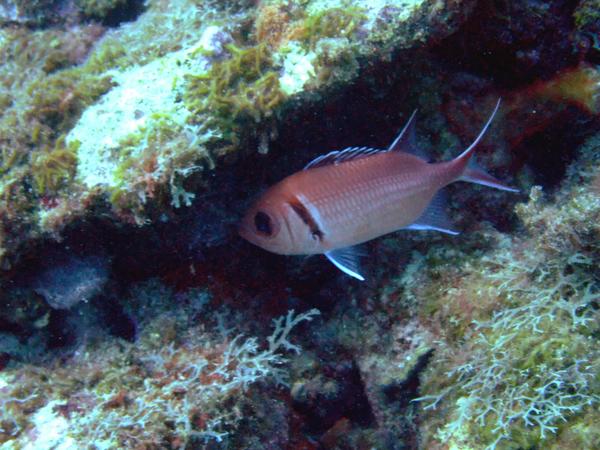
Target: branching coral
point(529, 368)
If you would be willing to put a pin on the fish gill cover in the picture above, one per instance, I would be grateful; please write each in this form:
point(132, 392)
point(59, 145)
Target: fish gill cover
point(134, 135)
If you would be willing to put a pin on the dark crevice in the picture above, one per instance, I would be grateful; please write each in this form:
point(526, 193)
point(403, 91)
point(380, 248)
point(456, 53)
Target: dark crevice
point(549, 152)
point(350, 401)
point(126, 12)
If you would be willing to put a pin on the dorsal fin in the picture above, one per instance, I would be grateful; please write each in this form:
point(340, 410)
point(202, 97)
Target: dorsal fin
point(339, 156)
point(406, 141)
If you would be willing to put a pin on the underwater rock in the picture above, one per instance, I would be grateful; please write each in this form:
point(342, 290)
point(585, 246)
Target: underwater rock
point(192, 389)
point(163, 99)
point(145, 138)
point(26, 12)
point(71, 281)
point(388, 373)
point(40, 13)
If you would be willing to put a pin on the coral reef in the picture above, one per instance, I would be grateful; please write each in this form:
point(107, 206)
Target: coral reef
point(117, 98)
point(520, 360)
point(132, 136)
point(173, 387)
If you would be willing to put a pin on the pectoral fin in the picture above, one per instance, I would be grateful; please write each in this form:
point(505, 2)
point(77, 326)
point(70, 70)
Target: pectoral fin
point(347, 259)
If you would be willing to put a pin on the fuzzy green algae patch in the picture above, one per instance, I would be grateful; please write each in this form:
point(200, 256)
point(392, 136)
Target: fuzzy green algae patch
point(49, 77)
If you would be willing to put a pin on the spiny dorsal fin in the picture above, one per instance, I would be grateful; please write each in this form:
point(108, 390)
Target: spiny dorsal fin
point(339, 156)
point(405, 142)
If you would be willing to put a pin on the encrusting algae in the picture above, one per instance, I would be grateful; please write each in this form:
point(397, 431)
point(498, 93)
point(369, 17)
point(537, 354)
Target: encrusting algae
point(520, 359)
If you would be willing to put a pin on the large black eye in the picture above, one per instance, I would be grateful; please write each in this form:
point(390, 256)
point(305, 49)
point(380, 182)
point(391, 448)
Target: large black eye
point(263, 223)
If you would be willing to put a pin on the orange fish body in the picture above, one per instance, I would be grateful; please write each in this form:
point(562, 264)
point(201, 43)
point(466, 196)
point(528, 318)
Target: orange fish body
point(349, 197)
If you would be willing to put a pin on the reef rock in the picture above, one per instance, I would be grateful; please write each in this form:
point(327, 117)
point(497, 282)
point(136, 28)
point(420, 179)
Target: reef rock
point(142, 118)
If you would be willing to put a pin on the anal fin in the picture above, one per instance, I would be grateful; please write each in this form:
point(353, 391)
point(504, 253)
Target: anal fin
point(347, 259)
point(434, 217)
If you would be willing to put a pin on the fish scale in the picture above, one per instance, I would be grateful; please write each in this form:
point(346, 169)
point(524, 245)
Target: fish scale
point(360, 207)
point(348, 197)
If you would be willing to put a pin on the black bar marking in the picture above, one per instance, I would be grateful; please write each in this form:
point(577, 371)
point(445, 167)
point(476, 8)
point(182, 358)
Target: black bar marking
point(307, 218)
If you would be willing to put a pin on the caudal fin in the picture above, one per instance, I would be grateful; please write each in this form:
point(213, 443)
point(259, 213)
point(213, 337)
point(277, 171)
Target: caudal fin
point(471, 172)
point(475, 174)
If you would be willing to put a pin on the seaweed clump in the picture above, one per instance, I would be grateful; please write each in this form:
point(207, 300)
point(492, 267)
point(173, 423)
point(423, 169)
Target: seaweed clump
point(42, 94)
point(238, 94)
point(329, 23)
point(54, 169)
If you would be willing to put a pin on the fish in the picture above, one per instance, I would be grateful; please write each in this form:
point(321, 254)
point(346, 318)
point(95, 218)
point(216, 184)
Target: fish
point(347, 197)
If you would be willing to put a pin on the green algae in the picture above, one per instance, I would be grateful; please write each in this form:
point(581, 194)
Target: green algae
point(46, 83)
point(55, 169)
point(243, 89)
point(42, 106)
point(587, 15)
point(99, 9)
point(328, 23)
point(234, 95)
point(141, 175)
point(57, 101)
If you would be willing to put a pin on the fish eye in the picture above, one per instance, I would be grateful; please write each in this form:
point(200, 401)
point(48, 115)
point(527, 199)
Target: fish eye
point(262, 222)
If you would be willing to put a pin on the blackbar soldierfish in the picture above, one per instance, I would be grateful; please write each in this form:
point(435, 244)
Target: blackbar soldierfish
point(351, 196)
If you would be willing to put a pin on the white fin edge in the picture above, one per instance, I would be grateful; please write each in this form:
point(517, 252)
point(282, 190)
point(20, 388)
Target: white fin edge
point(339, 156)
point(491, 184)
point(343, 268)
point(420, 227)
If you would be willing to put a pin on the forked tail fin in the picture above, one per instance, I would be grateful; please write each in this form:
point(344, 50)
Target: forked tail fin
point(475, 174)
point(470, 171)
